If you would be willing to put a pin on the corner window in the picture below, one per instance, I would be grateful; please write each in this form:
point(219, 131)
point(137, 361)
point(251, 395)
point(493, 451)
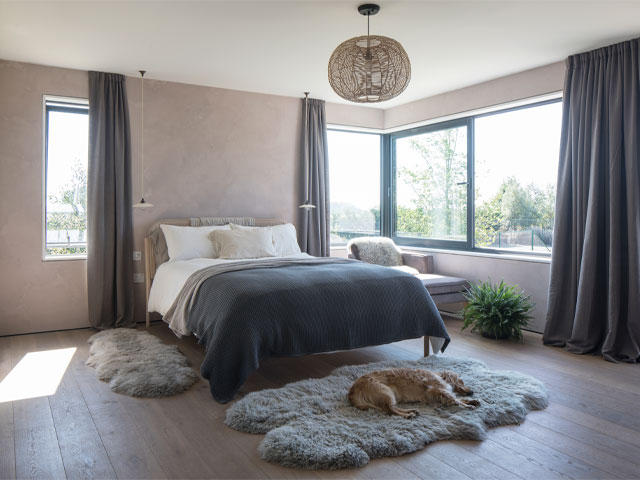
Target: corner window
point(484, 182)
point(354, 171)
point(66, 148)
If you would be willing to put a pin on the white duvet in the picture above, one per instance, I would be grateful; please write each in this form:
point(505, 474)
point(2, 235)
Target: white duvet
point(171, 277)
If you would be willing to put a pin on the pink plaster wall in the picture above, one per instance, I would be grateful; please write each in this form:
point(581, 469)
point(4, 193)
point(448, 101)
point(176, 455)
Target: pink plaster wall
point(208, 151)
point(34, 295)
point(530, 83)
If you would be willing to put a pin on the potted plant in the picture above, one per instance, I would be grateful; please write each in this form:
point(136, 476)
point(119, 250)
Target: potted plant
point(496, 311)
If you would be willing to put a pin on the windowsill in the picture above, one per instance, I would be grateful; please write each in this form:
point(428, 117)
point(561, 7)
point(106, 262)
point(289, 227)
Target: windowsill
point(64, 258)
point(469, 253)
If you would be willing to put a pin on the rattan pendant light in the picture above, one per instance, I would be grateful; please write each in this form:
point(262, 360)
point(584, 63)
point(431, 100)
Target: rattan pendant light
point(370, 68)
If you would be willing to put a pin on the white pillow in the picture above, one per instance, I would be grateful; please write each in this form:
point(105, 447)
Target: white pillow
point(236, 244)
point(285, 240)
point(184, 243)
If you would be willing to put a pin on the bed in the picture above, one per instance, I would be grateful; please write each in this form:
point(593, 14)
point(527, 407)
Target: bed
point(244, 310)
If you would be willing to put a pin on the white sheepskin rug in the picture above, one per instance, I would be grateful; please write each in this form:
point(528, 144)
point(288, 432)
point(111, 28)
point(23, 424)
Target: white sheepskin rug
point(138, 364)
point(311, 424)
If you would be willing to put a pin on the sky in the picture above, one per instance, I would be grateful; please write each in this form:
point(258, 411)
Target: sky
point(354, 168)
point(522, 143)
point(68, 144)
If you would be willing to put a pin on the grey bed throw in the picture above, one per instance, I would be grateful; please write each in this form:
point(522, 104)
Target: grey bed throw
point(253, 310)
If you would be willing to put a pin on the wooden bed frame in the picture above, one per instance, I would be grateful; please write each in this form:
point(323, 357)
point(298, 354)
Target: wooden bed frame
point(150, 258)
point(150, 261)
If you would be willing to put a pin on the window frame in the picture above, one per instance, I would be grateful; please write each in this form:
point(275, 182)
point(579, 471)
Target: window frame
point(504, 251)
point(431, 242)
point(55, 103)
point(388, 175)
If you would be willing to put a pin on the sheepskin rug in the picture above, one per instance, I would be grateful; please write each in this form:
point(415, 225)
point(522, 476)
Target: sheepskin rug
point(310, 423)
point(138, 364)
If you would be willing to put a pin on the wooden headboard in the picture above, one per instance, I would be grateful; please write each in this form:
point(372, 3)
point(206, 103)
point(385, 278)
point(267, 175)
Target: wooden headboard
point(150, 258)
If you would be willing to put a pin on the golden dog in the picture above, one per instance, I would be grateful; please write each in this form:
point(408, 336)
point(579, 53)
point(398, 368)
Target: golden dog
point(383, 389)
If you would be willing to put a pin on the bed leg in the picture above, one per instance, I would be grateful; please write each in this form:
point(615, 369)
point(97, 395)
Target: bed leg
point(147, 319)
point(426, 346)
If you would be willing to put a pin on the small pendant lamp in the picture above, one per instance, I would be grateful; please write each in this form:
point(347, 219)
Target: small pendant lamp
point(142, 203)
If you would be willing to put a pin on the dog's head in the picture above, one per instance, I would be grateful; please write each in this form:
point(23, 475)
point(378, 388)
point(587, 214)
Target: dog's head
point(456, 382)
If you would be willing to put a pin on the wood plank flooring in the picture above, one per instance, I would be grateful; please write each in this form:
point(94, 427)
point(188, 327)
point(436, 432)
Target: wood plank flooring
point(591, 429)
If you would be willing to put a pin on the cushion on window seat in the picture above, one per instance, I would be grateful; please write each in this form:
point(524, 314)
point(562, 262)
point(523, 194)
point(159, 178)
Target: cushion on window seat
point(438, 284)
point(376, 250)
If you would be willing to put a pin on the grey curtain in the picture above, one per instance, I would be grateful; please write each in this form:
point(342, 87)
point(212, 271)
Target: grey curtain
point(594, 294)
point(109, 222)
point(314, 233)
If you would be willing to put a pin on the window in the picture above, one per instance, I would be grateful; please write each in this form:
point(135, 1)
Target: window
point(430, 166)
point(484, 182)
point(516, 166)
point(65, 178)
point(354, 171)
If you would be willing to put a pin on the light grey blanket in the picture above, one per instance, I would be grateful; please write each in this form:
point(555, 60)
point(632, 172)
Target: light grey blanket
point(178, 313)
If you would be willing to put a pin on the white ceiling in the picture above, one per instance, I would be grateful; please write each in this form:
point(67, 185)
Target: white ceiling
point(283, 47)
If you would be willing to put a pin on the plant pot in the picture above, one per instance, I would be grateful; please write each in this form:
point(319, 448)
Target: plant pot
point(492, 336)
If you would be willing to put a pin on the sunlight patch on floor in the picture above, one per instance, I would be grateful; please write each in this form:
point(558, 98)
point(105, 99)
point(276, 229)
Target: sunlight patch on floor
point(38, 374)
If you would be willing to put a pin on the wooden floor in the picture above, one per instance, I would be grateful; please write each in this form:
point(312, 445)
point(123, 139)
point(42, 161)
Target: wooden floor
point(590, 430)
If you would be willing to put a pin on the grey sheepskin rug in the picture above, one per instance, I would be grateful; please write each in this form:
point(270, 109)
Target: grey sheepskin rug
point(310, 423)
point(138, 364)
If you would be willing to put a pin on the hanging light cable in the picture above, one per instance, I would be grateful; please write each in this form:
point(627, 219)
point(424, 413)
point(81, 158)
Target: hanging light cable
point(142, 203)
point(307, 205)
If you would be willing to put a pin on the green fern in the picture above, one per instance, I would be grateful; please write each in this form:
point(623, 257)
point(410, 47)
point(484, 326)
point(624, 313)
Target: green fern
point(496, 311)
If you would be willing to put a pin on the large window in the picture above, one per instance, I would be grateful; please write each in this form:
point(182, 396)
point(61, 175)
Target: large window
point(431, 168)
point(354, 170)
point(482, 182)
point(65, 179)
point(516, 166)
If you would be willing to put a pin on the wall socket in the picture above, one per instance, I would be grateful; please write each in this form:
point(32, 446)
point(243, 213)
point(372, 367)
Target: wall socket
point(137, 255)
point(138, 278)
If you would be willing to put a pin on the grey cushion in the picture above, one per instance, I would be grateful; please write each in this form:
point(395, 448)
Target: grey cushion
point(439, 284)
point(377, 250)
point(420, 261)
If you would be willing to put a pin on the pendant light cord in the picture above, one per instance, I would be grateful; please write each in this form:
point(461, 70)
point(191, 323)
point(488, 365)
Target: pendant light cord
point(306, 144)
point(368, 56)
point(142, 72)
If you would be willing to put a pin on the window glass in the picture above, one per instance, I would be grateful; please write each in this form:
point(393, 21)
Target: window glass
point(431, 185)
point(354, 171)
point(66, 180)
point(516, 167)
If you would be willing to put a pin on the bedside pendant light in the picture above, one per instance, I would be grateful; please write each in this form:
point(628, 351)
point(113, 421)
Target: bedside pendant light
point(307, 205)
point(142, 203)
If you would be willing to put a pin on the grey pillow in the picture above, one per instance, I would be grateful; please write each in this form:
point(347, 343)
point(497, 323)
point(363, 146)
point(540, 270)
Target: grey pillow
point(377, 250)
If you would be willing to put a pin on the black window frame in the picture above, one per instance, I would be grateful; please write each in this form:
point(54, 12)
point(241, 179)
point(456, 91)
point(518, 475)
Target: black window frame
point(388, 182)
point(391, 168)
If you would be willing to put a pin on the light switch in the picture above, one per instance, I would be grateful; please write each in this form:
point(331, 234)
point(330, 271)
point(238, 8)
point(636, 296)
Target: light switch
point(138, 278)
point(137, 255)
